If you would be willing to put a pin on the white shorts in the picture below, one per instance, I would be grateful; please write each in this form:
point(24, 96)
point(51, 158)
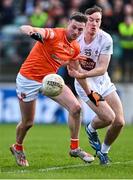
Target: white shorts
point(27, 90)
point(103, 87)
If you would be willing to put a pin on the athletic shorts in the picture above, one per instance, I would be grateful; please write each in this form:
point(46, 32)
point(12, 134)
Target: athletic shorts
point(103, 87)
point(27, 90)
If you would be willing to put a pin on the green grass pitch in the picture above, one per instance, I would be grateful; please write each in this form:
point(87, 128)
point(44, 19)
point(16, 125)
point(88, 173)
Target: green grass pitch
point(47, 148)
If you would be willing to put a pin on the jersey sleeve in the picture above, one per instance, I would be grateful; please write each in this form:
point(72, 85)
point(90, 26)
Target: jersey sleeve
point(48, 33)
point(107, 47)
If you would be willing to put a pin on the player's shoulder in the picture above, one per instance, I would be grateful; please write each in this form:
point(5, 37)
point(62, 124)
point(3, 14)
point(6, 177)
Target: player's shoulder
point(75, 44)
point(59, 33)
point(59, 30)
point(105, 36)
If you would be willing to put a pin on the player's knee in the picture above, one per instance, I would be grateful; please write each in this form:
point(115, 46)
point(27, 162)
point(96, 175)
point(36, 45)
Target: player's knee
point(26, 126)
point(109, 118)
point(119, 122)
point(76, 110)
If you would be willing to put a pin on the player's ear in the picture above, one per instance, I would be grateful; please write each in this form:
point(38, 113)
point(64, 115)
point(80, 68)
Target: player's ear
point(69, 22)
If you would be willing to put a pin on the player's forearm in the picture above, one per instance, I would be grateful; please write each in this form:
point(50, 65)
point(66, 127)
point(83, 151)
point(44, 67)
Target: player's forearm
point(85, 85)
point(34, 33)
point(27, 29)
point(98, 71)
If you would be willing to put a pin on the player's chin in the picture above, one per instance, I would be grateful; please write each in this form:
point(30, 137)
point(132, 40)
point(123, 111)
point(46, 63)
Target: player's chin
point(93, 31)
point(74, 37)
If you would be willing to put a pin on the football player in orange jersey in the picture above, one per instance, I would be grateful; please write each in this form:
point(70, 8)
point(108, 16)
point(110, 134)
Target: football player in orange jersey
point(54, 47)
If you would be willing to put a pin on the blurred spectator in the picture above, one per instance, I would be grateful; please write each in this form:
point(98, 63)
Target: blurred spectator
point(115, 70)
point(106, 6)
point(126, 35)
point(27, 6)
point(131, 2)
point(75, 6)
point(117, 14)
point(55, 13)
point(62, 22)
point(38, 18)
point(7, 13)
point(107, 14)
point(14, 48)
point(128, 10)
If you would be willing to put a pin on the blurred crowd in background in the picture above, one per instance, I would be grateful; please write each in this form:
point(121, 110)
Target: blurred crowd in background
point(14, 47)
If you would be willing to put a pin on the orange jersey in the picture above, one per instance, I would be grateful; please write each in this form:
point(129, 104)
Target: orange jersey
point(46, 58)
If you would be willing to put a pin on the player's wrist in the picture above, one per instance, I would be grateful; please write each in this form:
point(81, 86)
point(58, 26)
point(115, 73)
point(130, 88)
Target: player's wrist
point(36, 36)
point(95, 97)
point(82, 76)
point(90, 93)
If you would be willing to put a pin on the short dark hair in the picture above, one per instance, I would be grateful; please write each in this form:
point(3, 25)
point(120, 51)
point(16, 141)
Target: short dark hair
point(78, 16)
point(93, 9)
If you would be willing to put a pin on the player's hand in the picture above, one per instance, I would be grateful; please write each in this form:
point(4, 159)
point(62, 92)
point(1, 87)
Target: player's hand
point(95, 97)
point(74, 73)
point(37, 36)
point(80, 58)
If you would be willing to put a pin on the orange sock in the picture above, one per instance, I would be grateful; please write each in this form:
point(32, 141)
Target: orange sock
point(19, 147)
point(74, 144)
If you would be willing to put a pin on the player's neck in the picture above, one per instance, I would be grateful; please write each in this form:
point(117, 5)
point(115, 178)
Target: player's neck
point(68, 37)
point(89, 38)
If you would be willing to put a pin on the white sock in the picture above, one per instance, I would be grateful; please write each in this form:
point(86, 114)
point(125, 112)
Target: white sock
point(91, 128)
point(105, 148)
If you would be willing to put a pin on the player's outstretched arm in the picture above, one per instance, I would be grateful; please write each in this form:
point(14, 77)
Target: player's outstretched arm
point(39, 34)
point(97, 71)
point(101, 67)
point(75, 68)
point(33, 32)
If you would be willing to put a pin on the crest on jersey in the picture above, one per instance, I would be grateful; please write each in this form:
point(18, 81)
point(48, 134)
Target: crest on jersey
point(71, 51)
point(88, 52)
point(66, 48)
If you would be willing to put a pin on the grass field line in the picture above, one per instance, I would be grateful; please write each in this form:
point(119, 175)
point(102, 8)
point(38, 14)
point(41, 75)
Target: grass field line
point(78, 165)
point(54, 168)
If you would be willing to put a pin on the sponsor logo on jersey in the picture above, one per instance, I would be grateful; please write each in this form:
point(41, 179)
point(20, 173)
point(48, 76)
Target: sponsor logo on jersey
point(88, 64)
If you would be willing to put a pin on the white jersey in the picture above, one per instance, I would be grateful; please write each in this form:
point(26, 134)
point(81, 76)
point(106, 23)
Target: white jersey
point(102, 44)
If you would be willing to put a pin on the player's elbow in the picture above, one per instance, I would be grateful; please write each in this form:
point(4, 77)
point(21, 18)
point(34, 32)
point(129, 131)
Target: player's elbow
point(102, 71)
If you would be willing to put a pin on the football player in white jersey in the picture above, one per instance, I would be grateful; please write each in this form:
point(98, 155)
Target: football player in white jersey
point(97, 45)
